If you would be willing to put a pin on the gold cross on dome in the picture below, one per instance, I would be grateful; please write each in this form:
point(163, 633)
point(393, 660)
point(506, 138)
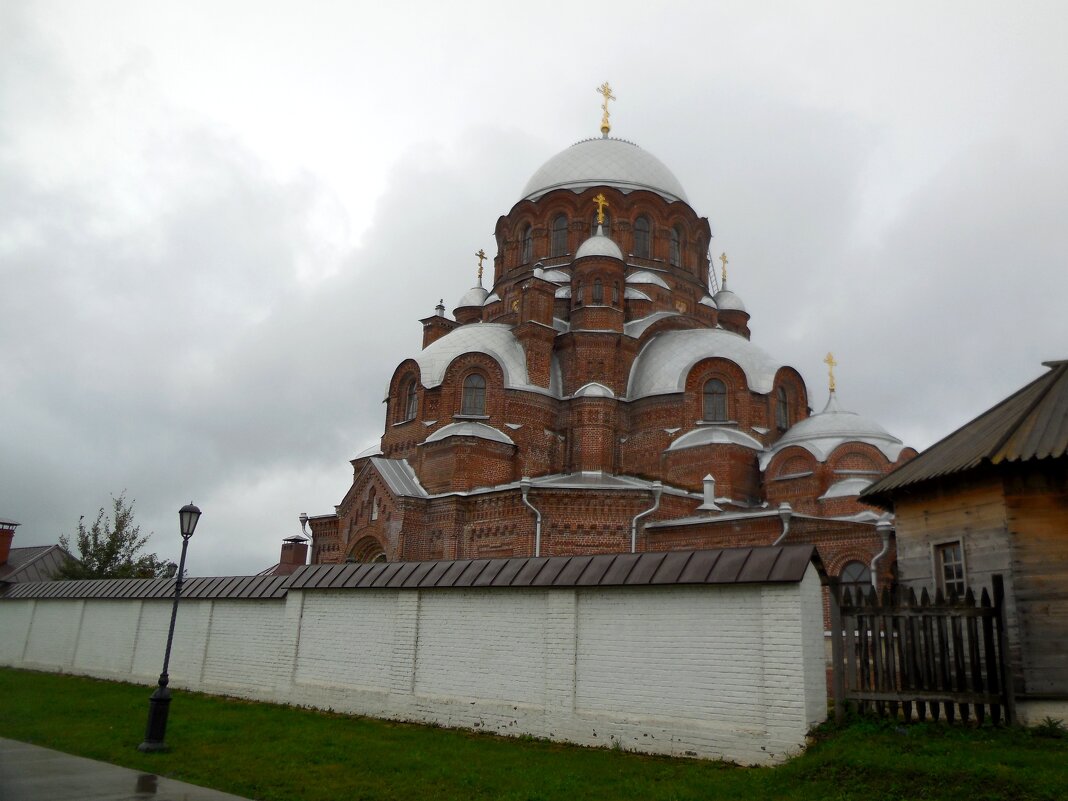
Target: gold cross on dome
point(481, 257)
point(723, 259)
point(605, 90)
point(601, 202)
point(831, 364)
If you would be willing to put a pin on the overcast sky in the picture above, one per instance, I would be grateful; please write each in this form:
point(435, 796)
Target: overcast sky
point(221, 221)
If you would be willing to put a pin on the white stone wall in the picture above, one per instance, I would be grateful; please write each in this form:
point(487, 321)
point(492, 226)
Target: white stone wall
point(733, 672)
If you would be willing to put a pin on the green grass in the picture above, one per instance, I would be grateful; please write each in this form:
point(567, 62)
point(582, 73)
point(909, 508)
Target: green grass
point(278, 753)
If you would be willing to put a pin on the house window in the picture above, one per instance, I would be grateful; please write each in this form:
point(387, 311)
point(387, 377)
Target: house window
point(782, 410)
point(598, 291)
point(528, 245)
point(474, 395)
point(641, 237)
point(715, 405)
point(950, 560)
point(855, 577)
point(559, 240)
point(676, 247)
point(411, 401)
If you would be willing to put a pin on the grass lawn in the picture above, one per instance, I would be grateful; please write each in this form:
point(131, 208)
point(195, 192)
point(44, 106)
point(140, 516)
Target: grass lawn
point(277, 753)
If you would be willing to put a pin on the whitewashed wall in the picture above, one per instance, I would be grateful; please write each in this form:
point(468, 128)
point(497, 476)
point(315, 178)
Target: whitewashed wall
point(729, 671)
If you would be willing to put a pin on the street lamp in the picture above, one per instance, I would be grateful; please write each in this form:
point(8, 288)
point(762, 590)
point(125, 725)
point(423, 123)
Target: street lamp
point(160, 702)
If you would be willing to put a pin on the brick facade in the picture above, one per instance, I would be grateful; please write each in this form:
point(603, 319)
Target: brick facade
point(566, 406)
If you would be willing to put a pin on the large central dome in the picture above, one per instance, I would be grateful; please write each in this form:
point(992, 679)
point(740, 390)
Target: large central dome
point(603, 161)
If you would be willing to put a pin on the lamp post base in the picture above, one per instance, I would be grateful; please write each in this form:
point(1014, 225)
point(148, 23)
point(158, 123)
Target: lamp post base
point(159, 706)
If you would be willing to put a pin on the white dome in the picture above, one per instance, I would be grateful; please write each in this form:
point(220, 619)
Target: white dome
point(821, 433)
point(475, 296)
point(497, 341)
point(726, 300)
point(663, 364)
point(599, 245)
point(608, 162)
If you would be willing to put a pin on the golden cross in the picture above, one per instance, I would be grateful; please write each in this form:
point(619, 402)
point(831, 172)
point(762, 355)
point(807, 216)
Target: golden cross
point(723, 259)
point(481, 257)
point(605, 90)
point(831, 364)
point(601, 202)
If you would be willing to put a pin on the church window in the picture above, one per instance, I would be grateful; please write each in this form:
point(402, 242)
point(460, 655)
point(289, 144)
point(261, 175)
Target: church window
point(559, 241)
point(855, 577)
point(528, 245)
point(598, 291)
point(578, 292)
point(715, 401)
point(374, 506)
point(615, 293)
point(411, 400)
point(641, 238)
point(474, 395)
point(782, 409)
point(676, 247)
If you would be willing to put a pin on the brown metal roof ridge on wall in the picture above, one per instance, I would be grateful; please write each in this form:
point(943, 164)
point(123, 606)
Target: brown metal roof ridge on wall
point(777, 564)
point(774, 564)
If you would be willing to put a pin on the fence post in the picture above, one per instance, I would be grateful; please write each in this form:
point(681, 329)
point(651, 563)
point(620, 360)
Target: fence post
point(1007, 683)
point(837, 677)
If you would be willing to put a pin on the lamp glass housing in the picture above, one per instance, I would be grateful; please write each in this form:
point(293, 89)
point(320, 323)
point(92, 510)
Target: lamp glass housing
point(188, 516)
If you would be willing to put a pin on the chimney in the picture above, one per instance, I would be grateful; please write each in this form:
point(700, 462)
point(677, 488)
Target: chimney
point(7, 533)
point(294, 554)
point(710, 495)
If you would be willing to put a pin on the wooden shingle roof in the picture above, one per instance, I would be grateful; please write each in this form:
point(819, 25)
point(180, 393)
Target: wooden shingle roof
point(1030, 424)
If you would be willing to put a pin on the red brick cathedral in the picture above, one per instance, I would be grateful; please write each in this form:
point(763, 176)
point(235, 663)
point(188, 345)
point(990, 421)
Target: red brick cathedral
point(600, 396)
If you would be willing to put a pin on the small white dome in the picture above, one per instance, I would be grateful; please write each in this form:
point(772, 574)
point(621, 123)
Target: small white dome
point(599, 245)
point(475, 296)
point(821, 433)
point(726, 300)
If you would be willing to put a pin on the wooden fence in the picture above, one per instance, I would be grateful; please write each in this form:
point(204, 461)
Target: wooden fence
point(915, 659)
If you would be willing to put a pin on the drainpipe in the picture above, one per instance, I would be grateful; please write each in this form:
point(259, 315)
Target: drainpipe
point(524, 485)
point(885, 529)
point(657, 487)
point(785, 512)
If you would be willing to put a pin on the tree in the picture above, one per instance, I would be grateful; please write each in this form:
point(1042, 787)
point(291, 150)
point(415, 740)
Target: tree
point(112, 550)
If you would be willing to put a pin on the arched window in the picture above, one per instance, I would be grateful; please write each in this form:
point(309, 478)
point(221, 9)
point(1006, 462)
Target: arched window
point(782, 409)
point(559, 241)
point(474, 397)
point(598, 291)
point(641, 237)
point(856, 577)
point(410, 398)
point(676, 247)
point(615, 293)
point(715, 397)
point(528, 245)
point(578, 292)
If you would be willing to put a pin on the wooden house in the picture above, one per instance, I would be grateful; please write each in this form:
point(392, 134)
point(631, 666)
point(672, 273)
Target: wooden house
point(992, 497)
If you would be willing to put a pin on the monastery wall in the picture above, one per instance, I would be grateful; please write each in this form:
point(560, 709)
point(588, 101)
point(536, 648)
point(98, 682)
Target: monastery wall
point(732, 671)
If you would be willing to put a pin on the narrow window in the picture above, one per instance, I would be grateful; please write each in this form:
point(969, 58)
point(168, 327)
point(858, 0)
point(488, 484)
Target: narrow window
point(676, 247)
point(951, 568)
point(411, 401)
point(641, 237)
point(855, 577)
point(598, 291)
point(559, 241)
point(474, 395)
point(374, 507)
point(615, 293)
point(528, 245)
point(782, 410)
point(578, 292)
point(715, 406)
